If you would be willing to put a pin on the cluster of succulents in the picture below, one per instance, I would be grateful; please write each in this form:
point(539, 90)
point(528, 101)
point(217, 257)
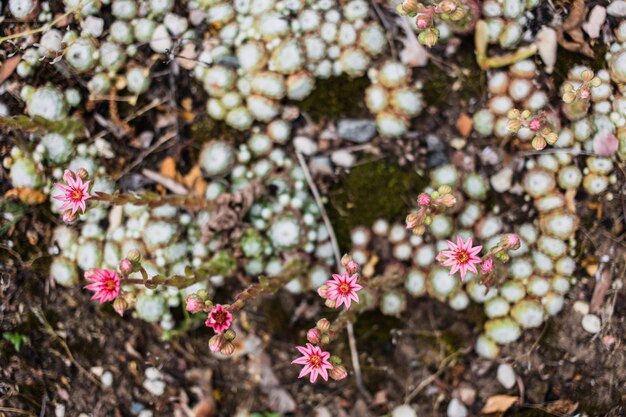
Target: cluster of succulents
point(270, 51)
point(393, 98)
point(507, 20)
point(528, 289)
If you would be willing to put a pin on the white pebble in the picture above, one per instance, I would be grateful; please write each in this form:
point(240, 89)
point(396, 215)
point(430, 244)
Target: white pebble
point(506, 375)
point(107, 379)
point(581, 307)
point(456, 409)
point(591, 323)
point(403, 411)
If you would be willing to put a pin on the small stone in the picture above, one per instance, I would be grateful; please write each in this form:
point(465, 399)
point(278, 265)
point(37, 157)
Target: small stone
point(356, 130)
point(501, 181)
point(597, 17)
point(403, 411)
point(305, 145)
point(591, 323)
point(146, 413)
point(617, 9)
point(322, 412)
point(154, 387)
point(153, 373)
point(97, 370)
point(434, 144)
point(466, 393)
point(456, 409)
point(321, 165)
point(107, 379)
point(136, 408)
point(506, 375)
point(59, 410)
point(343, 158)
point(581, 307)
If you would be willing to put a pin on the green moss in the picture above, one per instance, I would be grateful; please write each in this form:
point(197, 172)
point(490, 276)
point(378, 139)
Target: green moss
point(369, 192)
point(336, 98)
point(206, 129)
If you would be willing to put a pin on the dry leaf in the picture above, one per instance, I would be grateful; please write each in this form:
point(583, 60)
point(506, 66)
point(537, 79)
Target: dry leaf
point(566, 407)
point(413, 54)
point(168, 168)
point(194, 181)
point(464, 125)
point(499, 404)
point(8, 67)
point(27, 195)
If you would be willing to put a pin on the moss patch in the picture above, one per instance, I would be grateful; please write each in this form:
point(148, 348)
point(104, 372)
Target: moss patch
point(336, 98)
point(206, 129)
point(371, 191)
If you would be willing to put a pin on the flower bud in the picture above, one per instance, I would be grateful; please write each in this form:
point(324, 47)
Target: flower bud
point(539, 143)
point(584, 93)
point(325, 339)
point(314, 336)
point(82, 173)
point(423, 21)
point(193, 304)
point(551, 138)
point(513, 125)
point(412, 220)
point(323, 325)
point(419, 230)
point(510, 241)
point(503, 256)
point(202, 294)
point(217, 342)
point(330, 303)
point(429, 37)
point(448, 6)
point(338, 372)
point(526, 114)
point(321, 291)
point(133, 255)
point(486, 266)
point(427, 220)
point(69, 217)
point(230, 334)
point(227, 349)
point(409, 5)
point(352, 267)
point(447, 200)
point(513, 114)
point(68, 176)
point(335, 360)
point(120, 305)
point(444, 189)
point(126, 266)
point(423, 199)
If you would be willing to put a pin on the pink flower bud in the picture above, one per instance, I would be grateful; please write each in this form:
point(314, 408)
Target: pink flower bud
point(423, 199)
point(330, 303)
point(411, 221)
point(447, 200)
point(120, 305)
point(321, 291)
point(352, 267)
point(323, 325)
point(338, 372)
point(82, 173)
point(535, 125)
point(422, 21)
point(126, 266)
point(217, 342)
point(487, 266)
point(68, 176)
point(585, 93)
point(313, 336)
point(193, 304)
point(512, 241)
point(69, 217)
point(227, 349)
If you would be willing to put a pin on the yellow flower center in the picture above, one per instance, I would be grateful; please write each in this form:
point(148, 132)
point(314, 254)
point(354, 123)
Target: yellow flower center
point(462, 256)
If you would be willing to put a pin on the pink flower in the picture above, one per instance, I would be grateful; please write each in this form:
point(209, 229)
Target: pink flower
point(422, 21)
point(585, 93)
point(193, 304)
point(423, 199)
point(535, 124)
point(342, 289)
point(315, 362)
point(74, 194)
point(487, 266)
point(219, 319)
point(461, 257)
point(105, 284)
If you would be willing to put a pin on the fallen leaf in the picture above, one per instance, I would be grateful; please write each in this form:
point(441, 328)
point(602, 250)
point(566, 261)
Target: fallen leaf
point(464, 125)
point(413, 54)
point(566, 407)
point(8, 67)
point(168, 168)
point(27, 195)
point(193, 180)
point(499, 404)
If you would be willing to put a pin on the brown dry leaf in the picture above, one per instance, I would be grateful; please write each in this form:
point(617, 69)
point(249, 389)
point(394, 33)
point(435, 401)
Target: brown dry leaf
point(168, 169)
point(8, 67)
point(570, 202)
point(27, 195)
point(572, 27)
point(499, 404)
point(464, 125)
point(566, 407)
point(194, 181)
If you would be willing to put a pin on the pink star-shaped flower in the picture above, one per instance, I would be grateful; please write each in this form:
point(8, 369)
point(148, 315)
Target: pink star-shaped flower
point(342, 289)
point(104, 283)
point(75, 193)
point(461, 257)
point(219, 319)
point(315, 362)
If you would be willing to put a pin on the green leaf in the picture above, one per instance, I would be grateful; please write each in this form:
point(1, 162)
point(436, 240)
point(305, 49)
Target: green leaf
point(16, 339)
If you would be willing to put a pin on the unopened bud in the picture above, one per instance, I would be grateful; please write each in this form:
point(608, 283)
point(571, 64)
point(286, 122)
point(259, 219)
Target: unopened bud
point(68, 176)
point(314, 336)
point(217, 342)
point(424, 199)
point(126, 266)
point(193, 304)
point(447, 200)
point(539, 143)
point(322, 291)
point(227, 349)
point(230, 334)
point(69, 217)
point(510, 241)
point(486, 266)
point(202, 294)
point(120, 305)
point(352, 267)
point(330, 303)
point(338, 372)
point(412, 220)
point(323, 325)
point(419, 230)
point(427, 220)
point(82, 173)
point(335, 360)
point(423, 21)
point(133, 255)
point(429, 37)
point(325, 339)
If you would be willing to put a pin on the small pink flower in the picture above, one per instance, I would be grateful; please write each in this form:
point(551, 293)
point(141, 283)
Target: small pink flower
point(342, 289)
point(193, 304)
point(75, 193)
point(219, 319)
point(512, 241)
point(461, 257)
point(535, 124)
point(424, 199)
point(105, 284)
point(487, 266)
point(315, 362)
point(422, 21)
point(585, 93)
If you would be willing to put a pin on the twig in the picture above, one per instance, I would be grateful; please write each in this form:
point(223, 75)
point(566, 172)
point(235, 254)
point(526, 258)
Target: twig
point(17, 411)
point(603, 279)
point(442, 367)
point(166, 182)
point(333, 241)
point(167, 136)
